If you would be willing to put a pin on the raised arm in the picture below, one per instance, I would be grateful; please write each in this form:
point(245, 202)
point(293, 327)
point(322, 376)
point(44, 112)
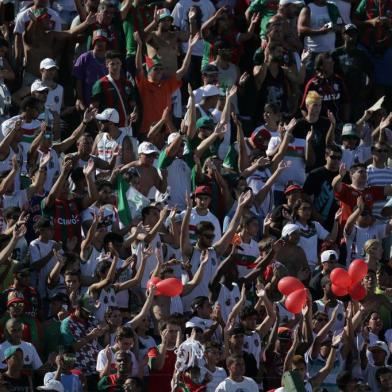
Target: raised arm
point(109, 277)
point(33, 152)
point(88, 116)
point(186, 247)
point(287, 138)
point(243, 157)
point(138, 319)
point(188, 287)
point(330, 138)
point(5, 144)
point(348, 228)
point(219, 131)
point(92, 193)
point(7, 181)
point(85, 247)
point(17, 233)
point(55, 191)
point(147, 237)
point(337, 181)
point(187, 59)
point(139, 54)
point(223, 243)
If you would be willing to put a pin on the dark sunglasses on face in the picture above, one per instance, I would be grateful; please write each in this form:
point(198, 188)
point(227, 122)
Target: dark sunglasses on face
point(381, 150)
point(335, 157)
point(321, 319)
point(209, 236)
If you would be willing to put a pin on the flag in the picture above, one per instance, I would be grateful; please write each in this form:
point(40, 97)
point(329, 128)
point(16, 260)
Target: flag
point(130, 202)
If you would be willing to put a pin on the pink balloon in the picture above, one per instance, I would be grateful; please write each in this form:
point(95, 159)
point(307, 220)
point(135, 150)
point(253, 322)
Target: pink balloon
point(289, 284)
point(357, 270)
point(170, 287)
point(296, 300)
point(153, 281)
point(340, 277)
point(339, 291)
point(358, 292)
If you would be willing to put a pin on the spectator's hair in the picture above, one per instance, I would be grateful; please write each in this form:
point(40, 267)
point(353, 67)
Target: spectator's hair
point(101, 267)
point(73, 273)
point(266, 244)
point(29, 102)
point(324, 281)
point(146, 211)
point(382, 144)
point(100, 184)
point(84, 135)
point(247, 219)
point(198, 302)
point(298, 360)
point(367, 319)
point(333, 148)
point(9, 211)
point(248, 311)
point(298, 205)
point(357, 166)
point(125, 354)
point(274, 107)
point(109, 312)
point(112, 237)
point(210, 344)
point(319, 62)
point(233, 359)
point(113, 54)
point(381, 371)
point(138, 382)
point(124, 333)
point(173, 320)
point(203, 226)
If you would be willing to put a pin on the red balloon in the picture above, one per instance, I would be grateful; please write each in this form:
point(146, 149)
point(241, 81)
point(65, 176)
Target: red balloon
point(296, 300)
point(340, 277)
point(339, 291)
point(357, 270)
point(170, 287)
point(357, 292)
point(153, 281)
point(289, 284)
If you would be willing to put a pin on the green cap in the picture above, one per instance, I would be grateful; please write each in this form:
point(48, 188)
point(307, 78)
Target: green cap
point(204, 122)
point(10, 351)
point(164, 13)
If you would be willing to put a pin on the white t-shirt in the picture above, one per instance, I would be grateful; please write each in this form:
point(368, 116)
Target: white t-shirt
point(246, 254)
point(39, 249)
point(217, 377)
point(24, 17)
point(246, 385)
point(54, 99)
point(296, 155)
point(355, 241)
point(361, 154)
point(30, 354)
point(309, 238)
point(180, 19)
point(195, 219)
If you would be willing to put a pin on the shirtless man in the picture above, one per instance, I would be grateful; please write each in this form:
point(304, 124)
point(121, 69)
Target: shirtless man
point(149, 176)
point(164, 41)
point(291, 255)
point(41, 41)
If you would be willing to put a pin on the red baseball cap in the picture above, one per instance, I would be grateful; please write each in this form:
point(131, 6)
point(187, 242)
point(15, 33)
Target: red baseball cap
point(292, 188)
point(202, 190)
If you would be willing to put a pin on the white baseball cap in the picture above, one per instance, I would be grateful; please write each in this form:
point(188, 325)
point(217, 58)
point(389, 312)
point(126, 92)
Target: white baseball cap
point(38, 85)
point(48, 64)
point(290, 228)
point(52, 385)
point(147, 148)
point(329, 255)
point(210, 90)
point(109, 114)
point(172, 137)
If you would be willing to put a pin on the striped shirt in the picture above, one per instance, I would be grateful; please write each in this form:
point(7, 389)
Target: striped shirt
point(379, 177)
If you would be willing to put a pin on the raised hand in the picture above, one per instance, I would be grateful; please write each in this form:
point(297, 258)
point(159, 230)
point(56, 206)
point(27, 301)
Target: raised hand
point(244, 198)
point(67, 166)
point(188, 201)
point(89, 168)
point(255, 18)
point(91, 18)
point(331, 118)
point(15, 163)
point(244, 78)
point(19, 231)
point(194, 40)
point(310, 134)
point(342, 170)
point(190, 92)
point(232, 92)
point(204, 256)
point(89, 114)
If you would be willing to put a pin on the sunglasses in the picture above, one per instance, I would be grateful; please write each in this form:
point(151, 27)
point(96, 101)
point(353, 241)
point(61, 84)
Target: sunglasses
point(349, 138)
point(335, 157)
point(17, 305)
point(381, 150)
point(209, 236)
point(321, 319)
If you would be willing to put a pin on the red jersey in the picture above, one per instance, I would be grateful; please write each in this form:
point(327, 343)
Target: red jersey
point(348, 198)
